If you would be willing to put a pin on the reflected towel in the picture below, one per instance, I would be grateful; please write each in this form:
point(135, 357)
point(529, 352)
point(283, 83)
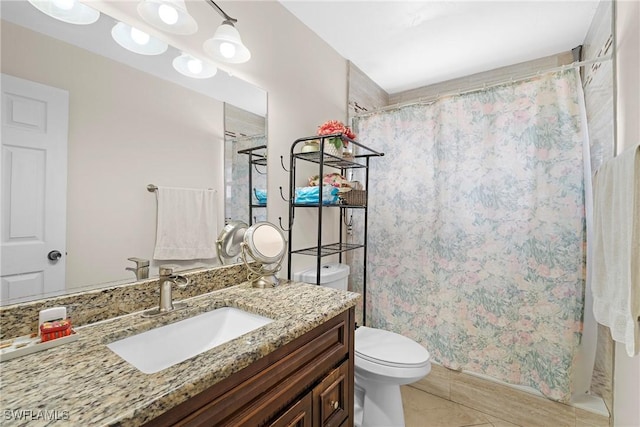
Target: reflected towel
point(616, 248)
point(187, 224)
point(261, 196)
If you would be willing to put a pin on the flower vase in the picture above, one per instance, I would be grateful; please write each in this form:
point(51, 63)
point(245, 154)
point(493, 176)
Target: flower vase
point(330, 148)
point(348, 152)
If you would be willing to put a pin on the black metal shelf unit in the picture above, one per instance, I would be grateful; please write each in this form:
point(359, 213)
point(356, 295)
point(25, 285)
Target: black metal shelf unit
point(257, 157)
point(325, 160)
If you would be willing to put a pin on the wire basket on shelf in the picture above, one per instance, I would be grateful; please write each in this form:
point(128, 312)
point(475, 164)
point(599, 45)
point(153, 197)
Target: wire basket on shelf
point(355, 197)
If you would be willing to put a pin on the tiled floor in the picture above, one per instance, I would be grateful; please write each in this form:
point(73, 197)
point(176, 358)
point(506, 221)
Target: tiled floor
point(422, 409)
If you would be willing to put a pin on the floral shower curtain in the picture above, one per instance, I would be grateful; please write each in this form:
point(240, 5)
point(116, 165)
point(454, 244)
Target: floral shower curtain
point(476, 245)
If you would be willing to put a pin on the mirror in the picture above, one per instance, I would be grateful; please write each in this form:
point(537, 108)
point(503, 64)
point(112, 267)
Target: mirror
point(245, 151)
point(133, 121)
point(264, 243)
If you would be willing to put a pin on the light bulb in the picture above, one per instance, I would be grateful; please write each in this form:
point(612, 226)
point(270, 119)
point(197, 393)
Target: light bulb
point(64, 4)
point(168, 14)
point(139, 37)
point(194, 65)
point(228, 50)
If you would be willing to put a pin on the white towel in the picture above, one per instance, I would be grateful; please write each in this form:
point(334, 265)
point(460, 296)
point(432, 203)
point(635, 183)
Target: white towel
point(187, 224)
point(616, 258)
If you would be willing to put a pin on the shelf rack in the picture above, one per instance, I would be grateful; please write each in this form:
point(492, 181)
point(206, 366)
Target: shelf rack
point(361, 160)
point(257, 157)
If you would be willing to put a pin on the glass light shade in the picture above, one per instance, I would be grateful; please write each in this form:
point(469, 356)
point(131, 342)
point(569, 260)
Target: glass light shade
point(69, 11)
point(190, 66)
point(126, 36)
point(163, 13)
point(226, 45)
point(168, 14)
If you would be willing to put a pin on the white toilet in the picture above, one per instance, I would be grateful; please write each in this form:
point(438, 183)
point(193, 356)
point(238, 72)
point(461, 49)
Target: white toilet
point(383, 361)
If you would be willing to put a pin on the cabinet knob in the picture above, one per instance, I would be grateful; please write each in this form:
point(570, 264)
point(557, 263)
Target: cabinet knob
point(335, 404)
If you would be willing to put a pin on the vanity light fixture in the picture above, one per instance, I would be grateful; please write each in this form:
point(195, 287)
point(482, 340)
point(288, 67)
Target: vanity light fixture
point(191, 66)
point(69, 11)
point(226, 44)
point(137, 40)
point(168, 15)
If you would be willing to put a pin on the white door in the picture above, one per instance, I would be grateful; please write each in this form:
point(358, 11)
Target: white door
point(33, 189)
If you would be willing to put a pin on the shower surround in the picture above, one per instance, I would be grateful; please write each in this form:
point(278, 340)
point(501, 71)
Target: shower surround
point(477, 229)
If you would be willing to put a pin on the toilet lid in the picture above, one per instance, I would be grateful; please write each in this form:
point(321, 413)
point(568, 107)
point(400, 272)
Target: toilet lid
point(389, 348)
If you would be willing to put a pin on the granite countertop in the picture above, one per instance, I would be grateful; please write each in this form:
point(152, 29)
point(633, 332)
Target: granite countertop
point(84, 383)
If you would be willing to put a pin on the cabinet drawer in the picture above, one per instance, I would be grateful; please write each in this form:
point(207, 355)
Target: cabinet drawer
point(298, 416)
point(331, 398)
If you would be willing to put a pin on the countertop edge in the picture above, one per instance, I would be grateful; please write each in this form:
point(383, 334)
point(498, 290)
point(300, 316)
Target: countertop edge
point(99, 388)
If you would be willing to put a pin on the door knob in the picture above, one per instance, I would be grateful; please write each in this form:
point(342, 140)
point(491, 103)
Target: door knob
point(54, 255)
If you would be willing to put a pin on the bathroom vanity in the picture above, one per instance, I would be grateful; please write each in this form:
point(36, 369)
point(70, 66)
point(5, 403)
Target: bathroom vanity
point(294, 371)
point(308, 382)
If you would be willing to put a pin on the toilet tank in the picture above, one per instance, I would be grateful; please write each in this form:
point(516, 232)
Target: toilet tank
point(332, 275)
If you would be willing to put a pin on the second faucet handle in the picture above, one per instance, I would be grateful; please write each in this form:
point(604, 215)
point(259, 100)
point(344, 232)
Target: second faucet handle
point(139, 262)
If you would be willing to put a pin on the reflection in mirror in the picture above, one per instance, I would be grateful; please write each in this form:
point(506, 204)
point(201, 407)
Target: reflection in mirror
point(245, 166)
point(132, 121)
point(263, 243)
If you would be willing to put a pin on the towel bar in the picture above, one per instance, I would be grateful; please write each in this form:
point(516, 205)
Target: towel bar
point(152, 188)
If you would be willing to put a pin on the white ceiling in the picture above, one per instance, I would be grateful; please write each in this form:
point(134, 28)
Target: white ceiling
point(403, 45)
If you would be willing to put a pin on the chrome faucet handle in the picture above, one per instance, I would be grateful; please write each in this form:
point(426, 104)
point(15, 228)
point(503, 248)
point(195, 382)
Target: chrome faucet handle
point(139, 262)
point(167, 269)
point(141, 270)
point(166, 280)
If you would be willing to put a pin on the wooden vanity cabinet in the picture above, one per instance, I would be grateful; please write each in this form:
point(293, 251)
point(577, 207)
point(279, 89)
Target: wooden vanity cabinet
point(325, 405)
point(331, 397)
point(308, 382)
point(298, 415)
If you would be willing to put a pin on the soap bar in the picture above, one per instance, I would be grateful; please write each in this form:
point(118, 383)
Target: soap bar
point(56, 329)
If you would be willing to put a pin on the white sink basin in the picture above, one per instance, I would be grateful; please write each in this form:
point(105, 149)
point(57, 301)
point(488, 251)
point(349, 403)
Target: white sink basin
point(159, 348)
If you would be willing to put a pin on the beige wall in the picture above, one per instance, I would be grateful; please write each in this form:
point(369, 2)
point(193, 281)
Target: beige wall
point(126, 130)
point(364, 94)
point(627, 72)
point(626, 382)
point(597, 81)
point(478, 80)
point(306, 81)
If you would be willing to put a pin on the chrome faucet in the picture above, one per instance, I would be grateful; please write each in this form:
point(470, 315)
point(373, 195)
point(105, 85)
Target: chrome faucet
point(166, 280)
point(141, 269)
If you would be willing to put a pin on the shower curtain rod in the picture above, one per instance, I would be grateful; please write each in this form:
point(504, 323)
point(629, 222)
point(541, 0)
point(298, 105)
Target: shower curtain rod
point(431, 99)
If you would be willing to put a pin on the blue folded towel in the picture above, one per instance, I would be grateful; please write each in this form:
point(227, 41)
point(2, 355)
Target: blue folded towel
point(261, 196)
point(310, 195)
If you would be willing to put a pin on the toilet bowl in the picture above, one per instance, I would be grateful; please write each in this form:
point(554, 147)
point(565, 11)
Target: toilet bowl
point(383, 361)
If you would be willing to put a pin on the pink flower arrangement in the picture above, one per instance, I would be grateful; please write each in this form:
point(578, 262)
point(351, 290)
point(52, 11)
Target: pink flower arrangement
point(336, 126)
